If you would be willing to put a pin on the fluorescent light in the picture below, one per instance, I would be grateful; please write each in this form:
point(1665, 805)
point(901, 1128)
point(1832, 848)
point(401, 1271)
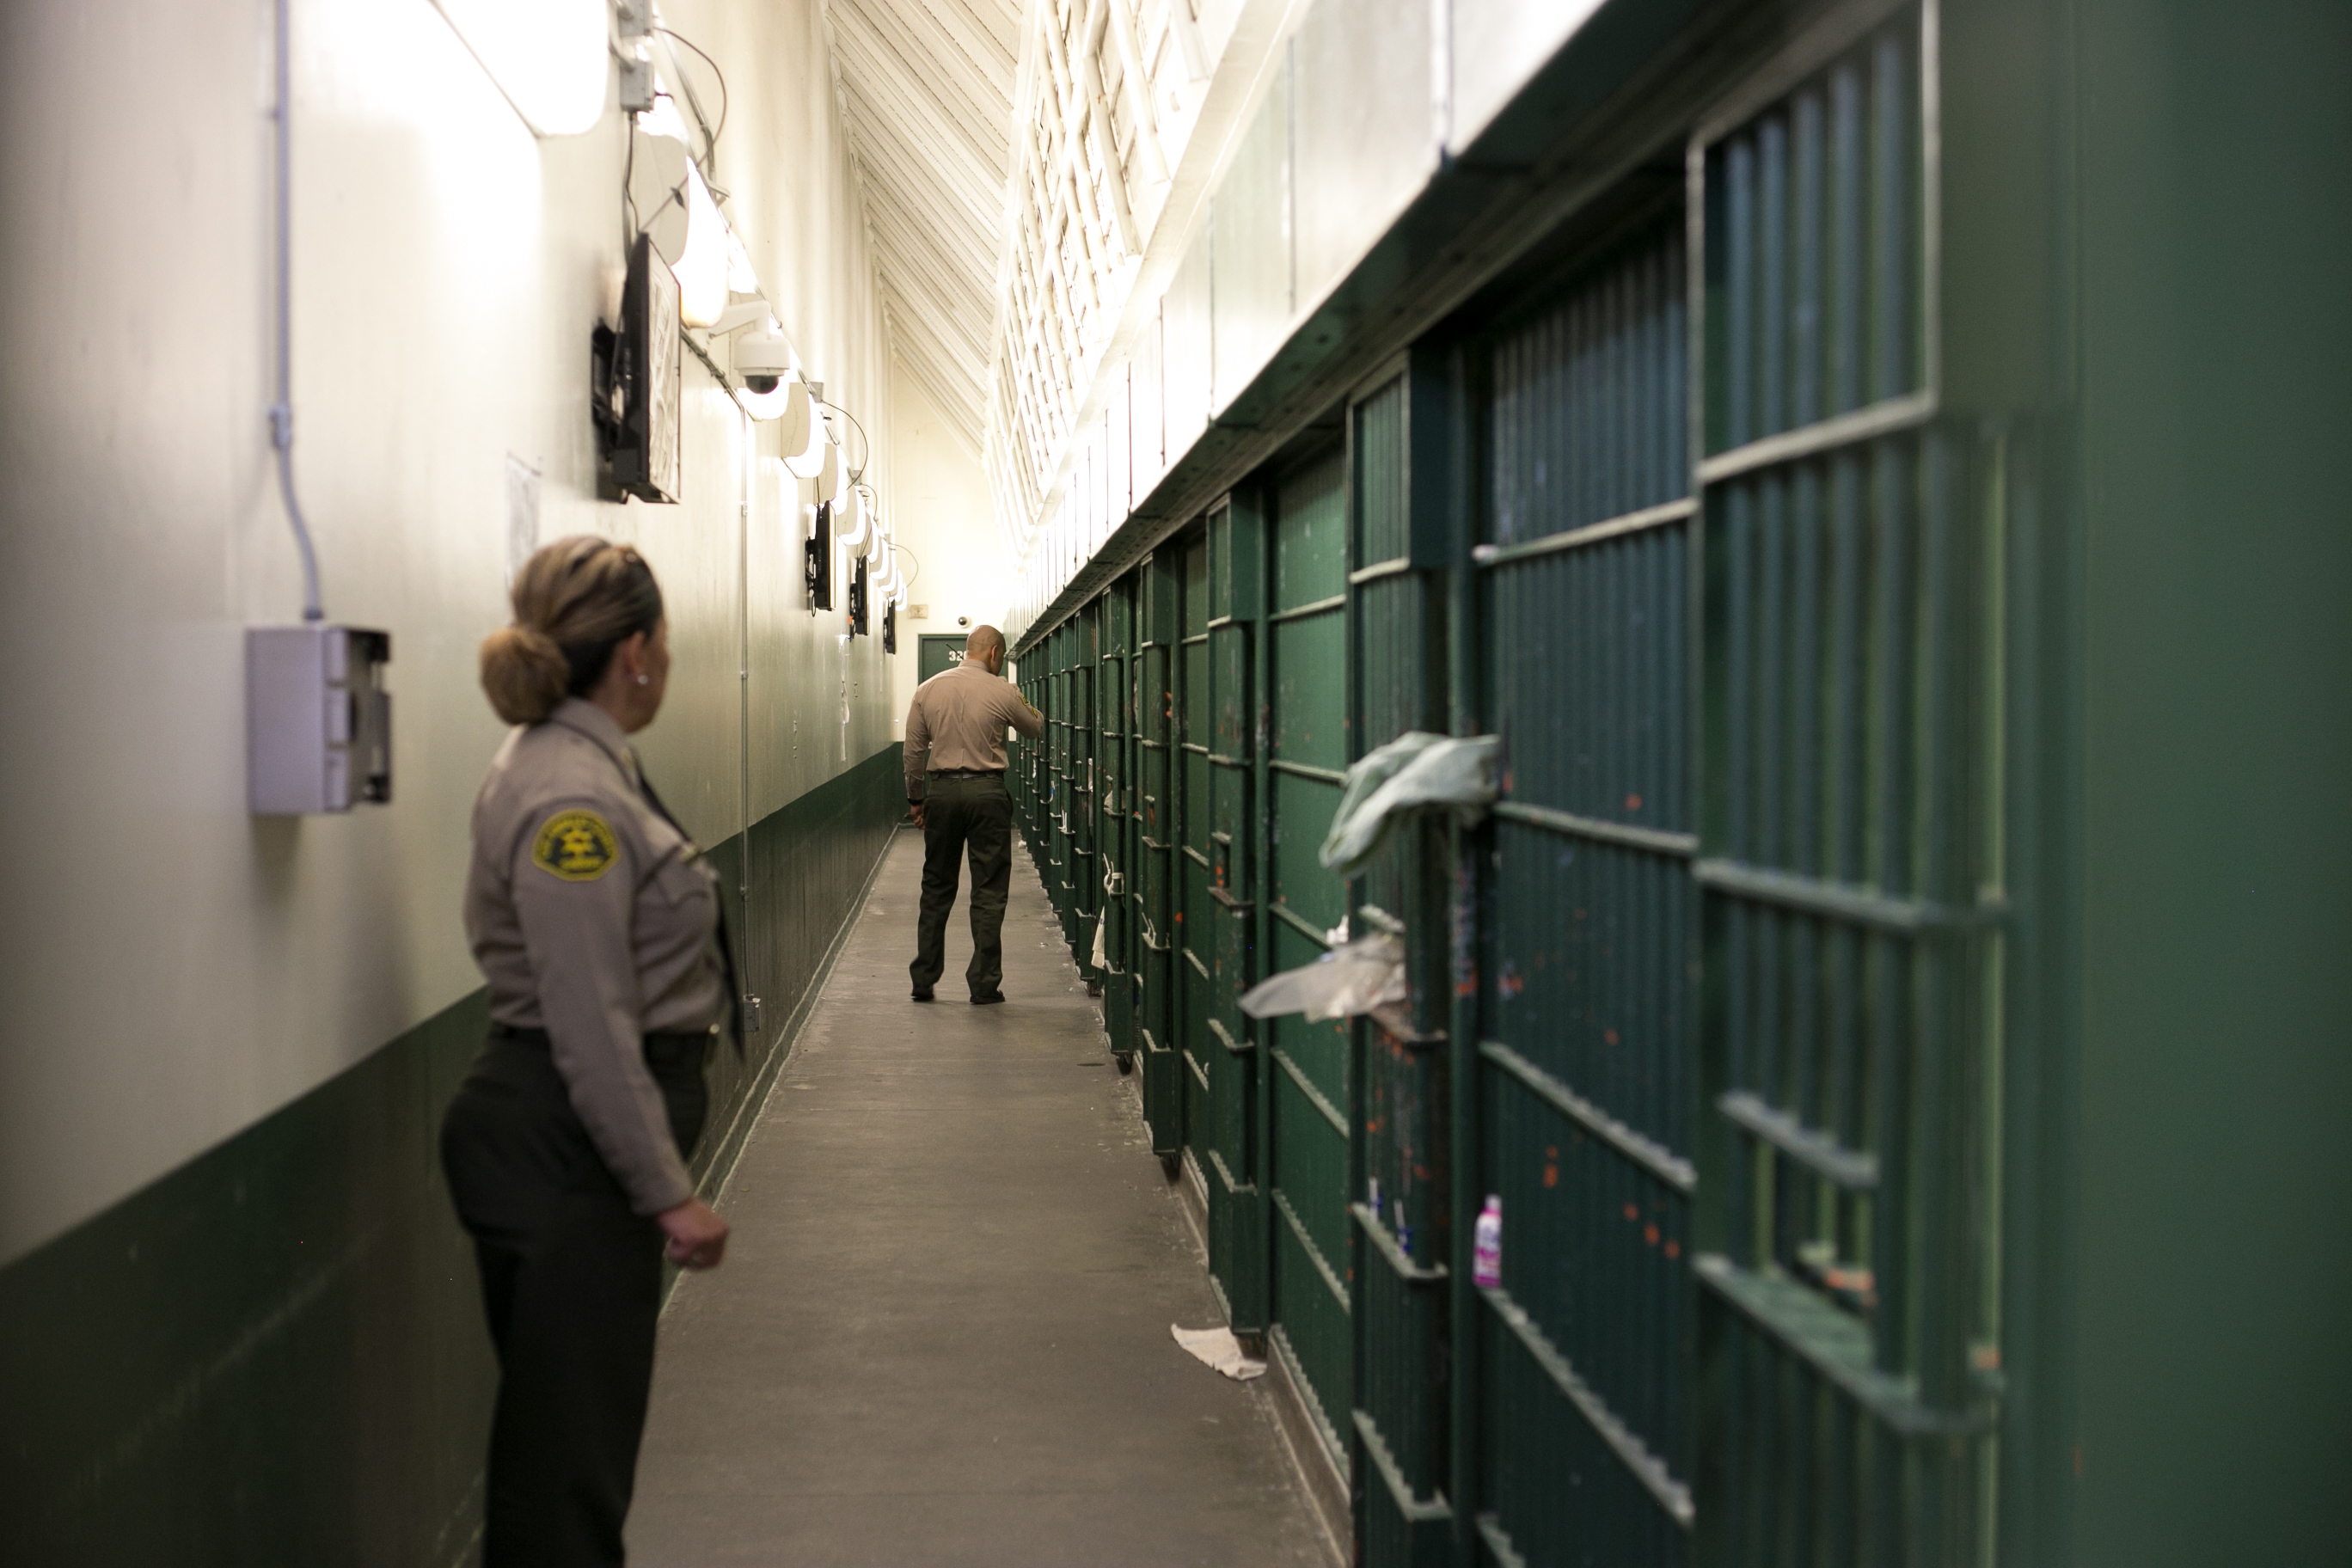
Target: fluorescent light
point(702, 270)
point(700, 254)
point(851, 527)
point(548, 57)
point(657, 168)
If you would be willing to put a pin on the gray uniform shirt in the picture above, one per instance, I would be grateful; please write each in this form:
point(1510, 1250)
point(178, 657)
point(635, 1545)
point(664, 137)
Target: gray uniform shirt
point(596, 920)
point(958, 720)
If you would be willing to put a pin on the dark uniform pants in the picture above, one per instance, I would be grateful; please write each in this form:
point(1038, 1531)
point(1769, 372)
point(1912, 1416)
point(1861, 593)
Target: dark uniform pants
point(971, 813)
point(571, 1281)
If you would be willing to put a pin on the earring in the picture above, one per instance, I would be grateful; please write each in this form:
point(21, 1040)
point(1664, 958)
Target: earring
point(643, 681)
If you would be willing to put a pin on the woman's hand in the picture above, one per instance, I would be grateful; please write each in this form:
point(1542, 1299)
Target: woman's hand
point(698, 1237)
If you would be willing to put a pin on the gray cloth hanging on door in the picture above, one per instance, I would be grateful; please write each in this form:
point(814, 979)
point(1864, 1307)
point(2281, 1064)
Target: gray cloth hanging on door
point(1416, 771)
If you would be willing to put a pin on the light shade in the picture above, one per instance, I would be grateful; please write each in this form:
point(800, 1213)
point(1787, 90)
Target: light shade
point(850, 520)
point(548, 57)
point(701, 249)
point(830, 482)
point(800, 434)
point(656, 176)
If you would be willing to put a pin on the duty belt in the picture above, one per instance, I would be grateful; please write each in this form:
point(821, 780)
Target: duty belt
point(967, 773)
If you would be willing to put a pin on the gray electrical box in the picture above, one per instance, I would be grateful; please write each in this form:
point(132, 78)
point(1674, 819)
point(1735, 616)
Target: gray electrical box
point(317, 718)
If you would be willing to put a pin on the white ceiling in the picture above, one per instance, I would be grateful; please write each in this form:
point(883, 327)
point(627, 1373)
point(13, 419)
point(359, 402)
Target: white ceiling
point(927, 87)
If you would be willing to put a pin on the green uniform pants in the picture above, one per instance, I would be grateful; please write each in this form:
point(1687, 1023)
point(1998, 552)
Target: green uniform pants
point(972, 813)
point(572, 1284)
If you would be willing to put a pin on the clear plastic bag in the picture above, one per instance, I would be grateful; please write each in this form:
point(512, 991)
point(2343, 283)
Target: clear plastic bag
point(1416, 772)
point(1353, 978)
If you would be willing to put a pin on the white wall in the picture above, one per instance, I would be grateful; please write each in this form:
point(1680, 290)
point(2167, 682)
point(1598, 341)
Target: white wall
point(943, 515)
point(172, 968)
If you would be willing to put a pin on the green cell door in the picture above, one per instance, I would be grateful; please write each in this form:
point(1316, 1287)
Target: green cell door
point(1847, 825)
point(1058, 791)
point(1084, 879)
point(1114, 801)
point(1217, 947)
point(1586, 1050)
point(1397, 1085)
point(1307, 745)
point(1166, 1069)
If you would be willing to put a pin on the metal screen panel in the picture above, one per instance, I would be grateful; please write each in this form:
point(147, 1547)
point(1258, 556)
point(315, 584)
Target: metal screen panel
point(1588, 1051)
point(1843, 925)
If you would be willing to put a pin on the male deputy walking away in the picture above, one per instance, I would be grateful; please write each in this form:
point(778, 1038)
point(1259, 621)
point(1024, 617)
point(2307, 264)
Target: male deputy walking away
point(958, 720)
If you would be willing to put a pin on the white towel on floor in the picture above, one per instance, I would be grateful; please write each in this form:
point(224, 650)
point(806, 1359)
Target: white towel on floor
point(1219, 1348)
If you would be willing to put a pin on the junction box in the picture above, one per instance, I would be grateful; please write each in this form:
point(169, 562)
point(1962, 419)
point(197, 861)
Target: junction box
point(317, 718)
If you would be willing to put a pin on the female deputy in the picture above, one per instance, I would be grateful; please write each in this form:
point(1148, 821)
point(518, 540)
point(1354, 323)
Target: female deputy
point(596, 922)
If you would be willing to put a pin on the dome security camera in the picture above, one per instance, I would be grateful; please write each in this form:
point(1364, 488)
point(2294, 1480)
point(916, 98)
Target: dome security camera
point(763, 359)
point(963, 620)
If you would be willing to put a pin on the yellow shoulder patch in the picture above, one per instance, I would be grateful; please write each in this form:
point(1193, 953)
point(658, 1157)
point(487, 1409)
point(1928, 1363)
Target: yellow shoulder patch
point(577, 846)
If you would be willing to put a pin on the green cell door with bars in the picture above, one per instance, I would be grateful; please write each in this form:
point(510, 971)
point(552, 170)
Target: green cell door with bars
point(1159, 660)
point(1398, 1104)
point(1586, 1048)
point(1113, 943)
point(1849, 824)
point(1217, 842)
point(1305, 697)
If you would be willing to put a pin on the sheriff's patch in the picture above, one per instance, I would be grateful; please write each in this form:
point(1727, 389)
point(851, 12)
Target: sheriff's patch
point(577, 846)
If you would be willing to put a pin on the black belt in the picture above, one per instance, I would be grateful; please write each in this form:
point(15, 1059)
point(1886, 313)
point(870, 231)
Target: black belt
point(967, 773)
point(670, 1039)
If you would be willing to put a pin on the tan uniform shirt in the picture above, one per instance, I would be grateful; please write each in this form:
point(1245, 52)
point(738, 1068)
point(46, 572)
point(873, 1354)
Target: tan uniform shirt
point(596, 920)
point(959, 717)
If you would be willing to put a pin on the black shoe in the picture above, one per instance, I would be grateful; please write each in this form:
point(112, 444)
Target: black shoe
point(982, 999)
point(922, 993)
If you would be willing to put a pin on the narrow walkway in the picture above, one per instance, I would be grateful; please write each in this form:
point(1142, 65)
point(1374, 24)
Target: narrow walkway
point(941, 1335)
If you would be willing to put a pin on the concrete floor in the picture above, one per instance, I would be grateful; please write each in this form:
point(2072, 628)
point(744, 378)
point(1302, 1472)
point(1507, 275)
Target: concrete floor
point(941, 1335)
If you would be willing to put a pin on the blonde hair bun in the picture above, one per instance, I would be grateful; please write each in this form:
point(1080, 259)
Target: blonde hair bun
point(524, 673)
point(575, 601)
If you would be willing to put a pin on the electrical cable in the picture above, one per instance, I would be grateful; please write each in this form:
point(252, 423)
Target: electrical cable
point(710, 137)
point(630, 224)
point(902, 550)
point(858, 472)
point(282, 413)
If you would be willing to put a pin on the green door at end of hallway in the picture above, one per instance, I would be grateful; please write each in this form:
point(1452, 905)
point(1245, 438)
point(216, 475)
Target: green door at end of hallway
point(937, 653)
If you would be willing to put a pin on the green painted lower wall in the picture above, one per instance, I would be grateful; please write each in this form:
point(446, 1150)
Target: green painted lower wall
point(275, 1354)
